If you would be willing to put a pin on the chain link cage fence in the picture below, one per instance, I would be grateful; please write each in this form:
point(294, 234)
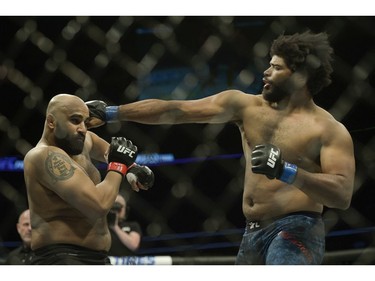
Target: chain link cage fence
point(194, 209)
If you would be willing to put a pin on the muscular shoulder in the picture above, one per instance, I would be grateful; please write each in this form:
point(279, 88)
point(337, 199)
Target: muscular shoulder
point(237, 97)
point(236, 102)
point(39, 153)
point(42, 158)
point(332, 129)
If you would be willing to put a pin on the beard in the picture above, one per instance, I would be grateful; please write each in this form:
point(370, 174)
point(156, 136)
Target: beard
point(281, 90)
point(72, 145)
point(275, 93)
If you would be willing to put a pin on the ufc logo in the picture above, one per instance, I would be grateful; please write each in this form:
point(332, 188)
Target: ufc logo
point(253, 225)
point(272, 158)
point(125, 150)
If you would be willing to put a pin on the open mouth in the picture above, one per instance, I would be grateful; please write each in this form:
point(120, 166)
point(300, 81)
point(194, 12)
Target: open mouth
point(267, 84)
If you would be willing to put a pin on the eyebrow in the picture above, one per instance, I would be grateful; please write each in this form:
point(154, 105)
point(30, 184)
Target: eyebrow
point(78, 115)
point(275, 64)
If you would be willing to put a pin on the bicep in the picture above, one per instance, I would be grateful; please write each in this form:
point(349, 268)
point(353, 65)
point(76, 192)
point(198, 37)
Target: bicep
point(223, 107)
point(337, 154)
point(62, 176)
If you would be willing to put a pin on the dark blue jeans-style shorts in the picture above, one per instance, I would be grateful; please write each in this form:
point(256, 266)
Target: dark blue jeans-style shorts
point(294, 239)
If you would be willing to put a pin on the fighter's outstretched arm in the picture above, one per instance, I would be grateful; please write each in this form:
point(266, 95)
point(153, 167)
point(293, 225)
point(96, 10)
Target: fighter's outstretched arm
point(218, 108)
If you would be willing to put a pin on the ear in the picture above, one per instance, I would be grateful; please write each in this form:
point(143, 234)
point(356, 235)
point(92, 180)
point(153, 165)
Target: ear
point(50, 121)
point(299, 79)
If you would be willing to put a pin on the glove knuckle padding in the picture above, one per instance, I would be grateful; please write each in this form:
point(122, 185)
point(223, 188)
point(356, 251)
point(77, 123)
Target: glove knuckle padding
point(97, 109)
point(266, 159)
point(144, 175)
point(120, 151)
point(256, 158)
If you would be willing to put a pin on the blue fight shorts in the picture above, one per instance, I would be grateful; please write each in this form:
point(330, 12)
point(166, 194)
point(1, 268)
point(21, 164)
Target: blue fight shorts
point(294, 239)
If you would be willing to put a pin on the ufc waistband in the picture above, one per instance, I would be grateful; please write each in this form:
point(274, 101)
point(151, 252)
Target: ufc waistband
point(258, 224)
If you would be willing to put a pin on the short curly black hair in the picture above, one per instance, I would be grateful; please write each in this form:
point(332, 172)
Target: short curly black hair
point(307, 51)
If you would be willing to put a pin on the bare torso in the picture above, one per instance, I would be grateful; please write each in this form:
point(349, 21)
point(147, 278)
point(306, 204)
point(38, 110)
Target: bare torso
point(56, 221)
point(306, 134)
point(298, 135)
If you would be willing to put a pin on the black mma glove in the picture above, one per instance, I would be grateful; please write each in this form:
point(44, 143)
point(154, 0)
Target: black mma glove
point(142, 174)
point(122, 154)
point(100, 110)
point(266, 159)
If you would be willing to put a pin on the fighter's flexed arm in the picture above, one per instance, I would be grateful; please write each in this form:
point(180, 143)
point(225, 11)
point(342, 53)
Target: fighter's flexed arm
point(52, 168)
point(333, 185)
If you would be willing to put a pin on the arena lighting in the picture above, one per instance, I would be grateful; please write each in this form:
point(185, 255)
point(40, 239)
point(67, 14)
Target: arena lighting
point(14, 164)
point(11, 164)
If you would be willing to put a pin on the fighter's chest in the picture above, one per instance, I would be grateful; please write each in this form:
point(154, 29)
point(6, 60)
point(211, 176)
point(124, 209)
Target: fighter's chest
point(270, 126)
point(278, 129)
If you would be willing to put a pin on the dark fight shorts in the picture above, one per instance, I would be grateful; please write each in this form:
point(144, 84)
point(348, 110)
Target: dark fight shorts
point(296, 238)
point(67, 254)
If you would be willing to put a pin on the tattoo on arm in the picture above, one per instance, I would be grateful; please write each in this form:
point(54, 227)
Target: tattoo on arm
point(59, 166)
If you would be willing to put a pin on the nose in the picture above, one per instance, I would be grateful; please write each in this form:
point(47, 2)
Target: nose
point(82, 128)
point(267, 72)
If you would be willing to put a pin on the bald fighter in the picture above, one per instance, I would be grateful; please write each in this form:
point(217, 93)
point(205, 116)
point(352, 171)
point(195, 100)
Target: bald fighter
point(298, 157)
point(68, 200)
point(22, 254)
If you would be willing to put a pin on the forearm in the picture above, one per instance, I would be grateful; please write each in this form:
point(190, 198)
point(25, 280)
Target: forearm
point(152, 111)
point(93, 201)
point(108, 190)
point(121, 156)
point(333, 191)
point(218, 108)
point(130, 240)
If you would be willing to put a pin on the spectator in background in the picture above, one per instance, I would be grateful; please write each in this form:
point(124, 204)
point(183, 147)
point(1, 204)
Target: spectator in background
point(20, 255)
point(126, 235)
point(3, 252)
